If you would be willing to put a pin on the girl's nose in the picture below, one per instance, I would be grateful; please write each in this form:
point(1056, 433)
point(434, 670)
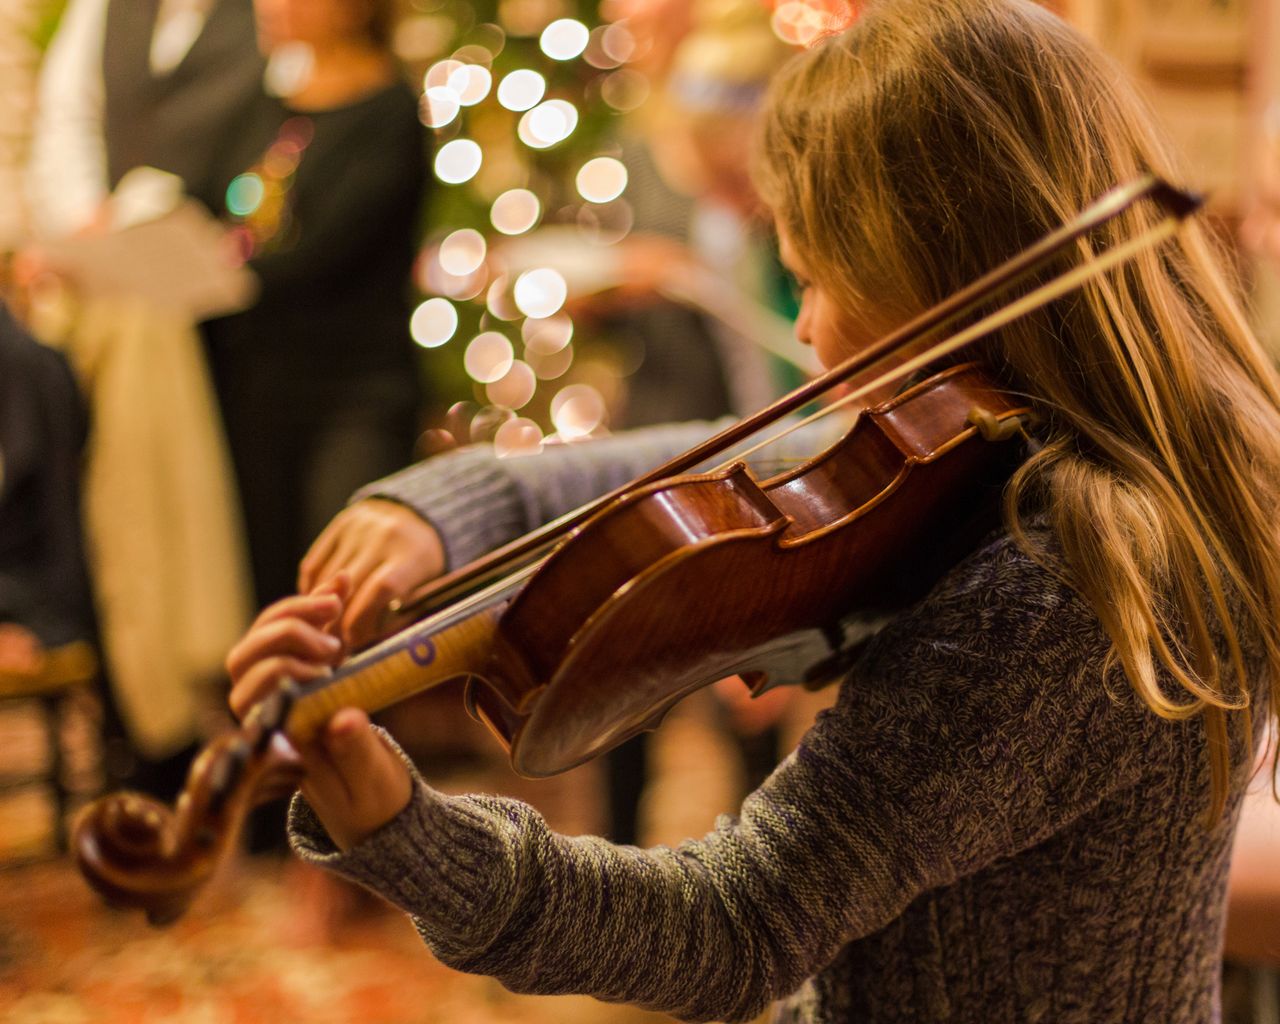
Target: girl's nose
point(802, 325)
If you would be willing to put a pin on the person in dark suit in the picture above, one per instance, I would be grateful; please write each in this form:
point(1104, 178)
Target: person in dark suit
point(44, 583)
point(170, 84)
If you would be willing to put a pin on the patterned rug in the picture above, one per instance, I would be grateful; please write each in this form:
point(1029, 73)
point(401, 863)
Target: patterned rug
point(249, 952)
point(272, 941)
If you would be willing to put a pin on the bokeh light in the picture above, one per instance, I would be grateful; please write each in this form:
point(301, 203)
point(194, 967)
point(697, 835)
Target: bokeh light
point(499, 300)
point(521, 89)
point(439, 106)
point(550, 365)
point(441, 72)
point(462, 288)
point(245, 194)
point(473, 53)
point(458, 161)
point(433, 323)
point(462, 252)
point(433, 279)
point(516, 387)
point(541, 292)
point(625, 89)
point(547, 124)
point(473, 82)
point(564, 39)
point(515, 211)
point(491, 37)
point(546, 335)
point(803, 22)
point(602, 179)
point(618, 42)
point(595, 53)
point(519, 436)
point(607, 223)
point(488, 358)
point(577, 410)
point(283, 157)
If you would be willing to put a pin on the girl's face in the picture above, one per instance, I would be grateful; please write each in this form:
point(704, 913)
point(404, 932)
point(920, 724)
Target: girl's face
point(316, 22)
point(823, 323)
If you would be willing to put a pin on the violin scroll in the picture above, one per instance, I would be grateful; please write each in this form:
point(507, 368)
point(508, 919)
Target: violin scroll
point(141, 855)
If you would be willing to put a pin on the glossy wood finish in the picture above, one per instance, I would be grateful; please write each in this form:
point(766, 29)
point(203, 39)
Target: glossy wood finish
point(681, 583)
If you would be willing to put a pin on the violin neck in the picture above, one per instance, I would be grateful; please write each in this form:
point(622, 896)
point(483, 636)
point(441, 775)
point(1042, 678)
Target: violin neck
point(422, 657)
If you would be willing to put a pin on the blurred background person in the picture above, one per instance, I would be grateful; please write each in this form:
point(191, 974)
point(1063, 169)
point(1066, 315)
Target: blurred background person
point(698, 244)
point(170, 84)
point(315, 388)
point(48, 659)
point(138, 105)
point(694, 219)
point(44, 585)
point(317, 381)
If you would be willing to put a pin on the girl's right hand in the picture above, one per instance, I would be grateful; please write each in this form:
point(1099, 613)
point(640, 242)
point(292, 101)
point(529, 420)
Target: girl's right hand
point(294, 638)
point(385, 549)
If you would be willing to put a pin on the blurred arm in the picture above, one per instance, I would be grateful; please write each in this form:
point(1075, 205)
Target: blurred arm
point(67, 179)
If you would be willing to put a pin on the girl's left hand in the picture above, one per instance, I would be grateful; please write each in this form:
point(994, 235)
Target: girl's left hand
point(354, 781)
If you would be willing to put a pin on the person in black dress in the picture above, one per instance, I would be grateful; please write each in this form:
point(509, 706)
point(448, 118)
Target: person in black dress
point(317, 381)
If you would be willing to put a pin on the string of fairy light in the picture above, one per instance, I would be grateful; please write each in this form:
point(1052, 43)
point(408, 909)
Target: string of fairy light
point(523, 143)
point(524, 338)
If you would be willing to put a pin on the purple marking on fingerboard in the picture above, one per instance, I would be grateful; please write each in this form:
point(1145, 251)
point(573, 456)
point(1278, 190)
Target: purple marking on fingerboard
point(423, 652)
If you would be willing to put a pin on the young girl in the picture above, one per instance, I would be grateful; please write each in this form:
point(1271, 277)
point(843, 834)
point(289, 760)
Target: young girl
point(1021, 807)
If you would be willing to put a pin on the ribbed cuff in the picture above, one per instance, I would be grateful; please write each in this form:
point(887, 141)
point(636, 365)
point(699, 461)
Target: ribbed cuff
point(435, 860)
point(441, 859)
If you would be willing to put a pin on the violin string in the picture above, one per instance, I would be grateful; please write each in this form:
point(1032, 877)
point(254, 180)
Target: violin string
point(1033, 300)
point(428, 627)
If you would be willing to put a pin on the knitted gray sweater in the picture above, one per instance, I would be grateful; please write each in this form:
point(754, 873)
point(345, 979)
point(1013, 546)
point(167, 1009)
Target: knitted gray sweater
point(982, 829)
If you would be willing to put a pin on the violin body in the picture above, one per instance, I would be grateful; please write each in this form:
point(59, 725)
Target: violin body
point(687, 581)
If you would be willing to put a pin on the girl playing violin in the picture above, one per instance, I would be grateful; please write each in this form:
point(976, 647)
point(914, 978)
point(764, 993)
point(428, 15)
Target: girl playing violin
point(1021, 806)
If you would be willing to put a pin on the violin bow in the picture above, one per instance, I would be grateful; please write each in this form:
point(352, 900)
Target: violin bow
point(1176, 204)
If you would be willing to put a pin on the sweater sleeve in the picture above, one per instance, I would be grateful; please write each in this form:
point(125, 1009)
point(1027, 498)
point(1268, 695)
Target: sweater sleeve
point(477, 501)
point(974, 726)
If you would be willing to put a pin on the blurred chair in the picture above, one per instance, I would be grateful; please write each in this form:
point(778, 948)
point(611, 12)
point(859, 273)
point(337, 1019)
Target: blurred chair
point(63, 674)
point(46, 613)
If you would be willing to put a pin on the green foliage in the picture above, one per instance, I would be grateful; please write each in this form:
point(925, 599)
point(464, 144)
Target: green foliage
point(48, 12)
point(468, 29)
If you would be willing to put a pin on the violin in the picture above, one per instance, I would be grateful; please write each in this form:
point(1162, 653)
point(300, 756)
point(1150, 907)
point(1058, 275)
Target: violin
point(585, 632)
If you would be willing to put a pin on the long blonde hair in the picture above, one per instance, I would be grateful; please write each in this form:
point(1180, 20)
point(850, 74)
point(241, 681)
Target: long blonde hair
point(936, 138)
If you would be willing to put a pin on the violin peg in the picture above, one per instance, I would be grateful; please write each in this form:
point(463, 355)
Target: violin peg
point(227, 769)
point(268, 716)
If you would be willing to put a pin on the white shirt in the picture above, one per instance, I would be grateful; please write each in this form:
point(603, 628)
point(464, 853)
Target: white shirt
point(67, 180)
